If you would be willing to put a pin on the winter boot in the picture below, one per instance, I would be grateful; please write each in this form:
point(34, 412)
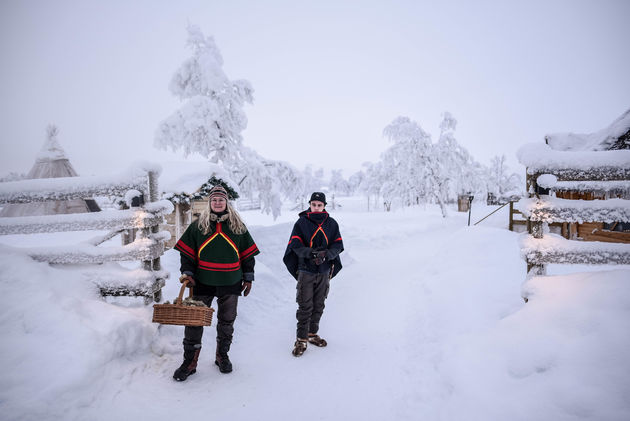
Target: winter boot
point(299, 347)
point(223, 362)
point(189, 366)
point(316, 340)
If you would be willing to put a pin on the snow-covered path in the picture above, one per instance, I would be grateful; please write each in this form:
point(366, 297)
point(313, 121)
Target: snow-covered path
point(425, 321)
point(383, 356)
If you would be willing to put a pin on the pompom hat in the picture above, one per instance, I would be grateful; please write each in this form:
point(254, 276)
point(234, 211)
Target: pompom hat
point(218, 191)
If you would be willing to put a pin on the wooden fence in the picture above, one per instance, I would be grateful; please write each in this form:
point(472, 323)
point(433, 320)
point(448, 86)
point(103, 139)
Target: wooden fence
point(94, 262)
point(541, 209)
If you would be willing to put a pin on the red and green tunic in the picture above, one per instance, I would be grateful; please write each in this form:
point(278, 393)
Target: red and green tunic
point(217, 256)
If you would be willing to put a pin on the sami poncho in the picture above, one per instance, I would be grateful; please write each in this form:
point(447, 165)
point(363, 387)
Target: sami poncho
point(218, 255)
point(314, 231)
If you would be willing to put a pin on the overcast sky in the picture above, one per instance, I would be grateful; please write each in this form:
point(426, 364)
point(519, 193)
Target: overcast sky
point(328, 75)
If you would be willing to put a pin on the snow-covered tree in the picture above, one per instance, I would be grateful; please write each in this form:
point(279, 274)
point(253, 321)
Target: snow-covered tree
point(416, 168)
point(210, 123)
point(12, 176)
point(500, 181)
point(211, 120)
point(338, 184)
point(456, 164)
point(355, 181)
point(373, 181)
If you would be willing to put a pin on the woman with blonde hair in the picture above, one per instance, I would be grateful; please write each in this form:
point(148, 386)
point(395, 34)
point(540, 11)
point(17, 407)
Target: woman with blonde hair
point(217, 259)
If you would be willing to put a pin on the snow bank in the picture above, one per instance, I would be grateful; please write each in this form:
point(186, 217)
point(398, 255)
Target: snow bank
point(58, 337)
point(562, 356)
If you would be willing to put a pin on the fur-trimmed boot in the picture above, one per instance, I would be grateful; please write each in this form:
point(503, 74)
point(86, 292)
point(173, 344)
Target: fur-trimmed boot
point(317, 340)
point(189, 366)
point(299, 347)
point(222, 360)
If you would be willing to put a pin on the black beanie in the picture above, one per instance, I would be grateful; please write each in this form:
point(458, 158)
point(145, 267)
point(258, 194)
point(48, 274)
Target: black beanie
point(319, 196)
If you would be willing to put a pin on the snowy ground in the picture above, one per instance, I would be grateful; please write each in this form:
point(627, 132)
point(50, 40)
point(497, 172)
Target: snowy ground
point(425, 322)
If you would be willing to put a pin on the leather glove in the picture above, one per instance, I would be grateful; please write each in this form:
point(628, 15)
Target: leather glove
point(318, 257)
point(184, 278)
point(247, 286)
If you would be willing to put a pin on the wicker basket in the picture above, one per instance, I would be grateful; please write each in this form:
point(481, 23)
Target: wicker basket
point(179, 314)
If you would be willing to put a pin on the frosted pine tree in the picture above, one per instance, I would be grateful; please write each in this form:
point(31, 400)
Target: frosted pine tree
point(211, 120)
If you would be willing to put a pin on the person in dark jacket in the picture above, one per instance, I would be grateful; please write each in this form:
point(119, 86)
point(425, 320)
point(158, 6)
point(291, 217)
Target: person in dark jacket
point(312, 257)
point(217, 259)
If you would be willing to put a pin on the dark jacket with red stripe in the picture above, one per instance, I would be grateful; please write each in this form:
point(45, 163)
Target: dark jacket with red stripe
point(312, 232)
point(219, 258)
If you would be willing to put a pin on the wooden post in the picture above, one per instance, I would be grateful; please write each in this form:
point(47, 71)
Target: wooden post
point(153, 265)
point(511, 223)
point(536, 270)
point(537, 229)
point(178, 222)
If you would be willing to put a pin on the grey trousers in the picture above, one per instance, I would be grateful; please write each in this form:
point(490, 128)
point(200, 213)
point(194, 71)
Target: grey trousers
point(226, 315)
point(312, 291)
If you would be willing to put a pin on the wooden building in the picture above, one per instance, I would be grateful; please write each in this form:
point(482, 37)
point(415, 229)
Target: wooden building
point(580, 185)
point(615, 137)
point(185, 184)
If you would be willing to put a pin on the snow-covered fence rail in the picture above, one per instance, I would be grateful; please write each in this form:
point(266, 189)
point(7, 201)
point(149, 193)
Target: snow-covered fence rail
point(120, 220)
point(587, 175)
point(557, 249)
point(67, 188)
point(147, 247)
point(551, 209)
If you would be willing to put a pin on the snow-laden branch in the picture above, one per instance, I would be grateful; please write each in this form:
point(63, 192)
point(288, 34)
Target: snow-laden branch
point(150, 216)
point(67, 188)
point(551, 209)
point(556, 249)
point(603, 165)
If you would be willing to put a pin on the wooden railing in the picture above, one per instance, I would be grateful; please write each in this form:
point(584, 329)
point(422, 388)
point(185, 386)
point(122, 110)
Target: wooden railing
point(541, 209)
point(144, 219)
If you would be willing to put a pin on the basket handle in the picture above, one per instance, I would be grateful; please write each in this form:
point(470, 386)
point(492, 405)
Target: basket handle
point(181, 292)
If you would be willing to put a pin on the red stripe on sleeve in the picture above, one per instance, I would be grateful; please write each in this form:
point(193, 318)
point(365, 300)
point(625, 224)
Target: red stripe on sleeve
point(295, 236)
point(181, 246)
point(248, 252)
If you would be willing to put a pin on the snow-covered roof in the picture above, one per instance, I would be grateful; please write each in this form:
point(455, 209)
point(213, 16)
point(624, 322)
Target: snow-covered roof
point(188, 176)
point(540, 157)
point(601, 140)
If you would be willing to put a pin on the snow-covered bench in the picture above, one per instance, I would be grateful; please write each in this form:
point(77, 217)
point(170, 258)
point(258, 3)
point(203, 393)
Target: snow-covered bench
point(600, 174)
point(147, 246)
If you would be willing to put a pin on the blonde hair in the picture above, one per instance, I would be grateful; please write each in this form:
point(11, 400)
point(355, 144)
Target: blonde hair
point(236, 224)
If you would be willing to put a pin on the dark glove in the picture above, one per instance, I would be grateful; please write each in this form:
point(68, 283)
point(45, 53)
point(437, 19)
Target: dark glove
point(247, 286)
point(185, 277)
point(318, 257)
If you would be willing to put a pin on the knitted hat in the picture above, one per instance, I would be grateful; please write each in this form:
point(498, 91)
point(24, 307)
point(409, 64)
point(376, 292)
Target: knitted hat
point(218, 191)
point(319, 196)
